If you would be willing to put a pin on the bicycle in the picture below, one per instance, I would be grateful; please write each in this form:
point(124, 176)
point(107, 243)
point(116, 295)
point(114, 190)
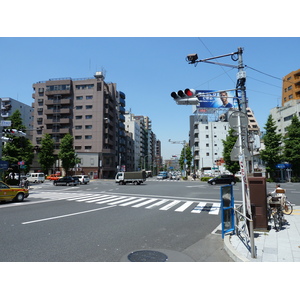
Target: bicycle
point(275, 212)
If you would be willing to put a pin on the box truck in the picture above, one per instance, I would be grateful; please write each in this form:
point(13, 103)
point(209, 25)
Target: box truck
point(130, 177)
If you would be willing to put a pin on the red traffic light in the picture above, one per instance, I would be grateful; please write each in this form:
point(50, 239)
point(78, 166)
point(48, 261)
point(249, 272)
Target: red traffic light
point(187, 93)
point(190, 92)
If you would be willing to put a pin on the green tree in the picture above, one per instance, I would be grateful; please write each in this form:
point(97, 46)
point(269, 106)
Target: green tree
point(228, 144)
point(186, 153)
point(66, 153)
point(46, 154)
point(272, 141)
point(291, 151)
point(19, 148)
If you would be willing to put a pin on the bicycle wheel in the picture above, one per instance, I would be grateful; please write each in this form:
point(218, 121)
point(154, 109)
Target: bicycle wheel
point(276, 221)
point(288, 208)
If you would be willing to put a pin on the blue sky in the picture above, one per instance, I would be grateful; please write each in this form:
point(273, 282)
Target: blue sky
point(148, 69)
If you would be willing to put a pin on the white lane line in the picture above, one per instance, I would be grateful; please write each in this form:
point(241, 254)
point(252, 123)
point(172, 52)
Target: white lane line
point(65, 216)
point(168, 206)
point(184, 206)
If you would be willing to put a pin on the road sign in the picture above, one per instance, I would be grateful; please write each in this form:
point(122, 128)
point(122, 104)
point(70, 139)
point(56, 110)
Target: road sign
point(238, 119)
point(5, 123)
point(235, 152)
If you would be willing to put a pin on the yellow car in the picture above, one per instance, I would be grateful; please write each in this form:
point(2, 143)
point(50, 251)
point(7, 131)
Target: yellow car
point(8, 193)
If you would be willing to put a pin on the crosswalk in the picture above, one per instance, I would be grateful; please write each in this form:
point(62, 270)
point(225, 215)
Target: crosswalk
point(164, 204)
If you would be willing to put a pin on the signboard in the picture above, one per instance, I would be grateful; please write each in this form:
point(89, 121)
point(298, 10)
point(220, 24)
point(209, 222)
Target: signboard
point(5, 123)
point(4, 164)
point(216, 99)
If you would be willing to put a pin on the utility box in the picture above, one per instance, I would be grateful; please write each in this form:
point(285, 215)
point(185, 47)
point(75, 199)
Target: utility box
point(258, 197)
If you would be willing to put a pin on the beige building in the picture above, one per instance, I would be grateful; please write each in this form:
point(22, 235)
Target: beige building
point(89, 109)
point(291, 87)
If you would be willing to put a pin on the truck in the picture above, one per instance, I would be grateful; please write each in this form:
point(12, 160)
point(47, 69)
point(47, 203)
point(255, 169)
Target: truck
point(130, 177)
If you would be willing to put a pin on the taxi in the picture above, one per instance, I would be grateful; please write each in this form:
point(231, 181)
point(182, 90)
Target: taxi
point(8, 193)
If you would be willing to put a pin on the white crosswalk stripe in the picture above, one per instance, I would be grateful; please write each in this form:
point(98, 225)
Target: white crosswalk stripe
point(134, 201)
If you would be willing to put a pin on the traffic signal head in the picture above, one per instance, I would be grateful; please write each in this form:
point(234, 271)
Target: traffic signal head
point(187, 96)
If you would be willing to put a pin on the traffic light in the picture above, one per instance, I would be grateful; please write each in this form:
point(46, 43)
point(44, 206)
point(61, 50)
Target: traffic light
point(187, 96)
point(9, 131)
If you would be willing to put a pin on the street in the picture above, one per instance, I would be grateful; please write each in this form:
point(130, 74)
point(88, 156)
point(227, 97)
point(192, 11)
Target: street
point(106, 222)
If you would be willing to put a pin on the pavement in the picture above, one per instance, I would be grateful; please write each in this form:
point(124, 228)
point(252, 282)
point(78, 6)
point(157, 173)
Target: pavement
point(270, 245)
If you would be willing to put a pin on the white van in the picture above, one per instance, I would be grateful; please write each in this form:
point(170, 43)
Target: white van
point(36, 177)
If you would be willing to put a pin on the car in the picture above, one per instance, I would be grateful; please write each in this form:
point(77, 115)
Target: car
point(67, 180)
point(83, 179)
point(162, 175)
point(222, 179)
point(8, 193)
point(53, 177)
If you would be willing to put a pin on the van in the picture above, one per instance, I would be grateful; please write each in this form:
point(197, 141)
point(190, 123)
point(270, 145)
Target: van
point(36, 177)
point(83, 179)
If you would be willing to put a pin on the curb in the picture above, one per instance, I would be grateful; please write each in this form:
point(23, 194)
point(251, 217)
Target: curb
point(235, 255)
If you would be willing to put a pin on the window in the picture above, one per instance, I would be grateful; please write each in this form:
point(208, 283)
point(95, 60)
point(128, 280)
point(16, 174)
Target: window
point(78, 117)
point(78, 107)
point(88, 106)
point(88, 137)
point(207, 153)
point(87, 147)
point(79, 98)
point(78, 137)
point(84, 86)
point(88, 116)
point(78, 127)
point(207, 136)
point(89, 97)
point(207, 145)
point(88, 126)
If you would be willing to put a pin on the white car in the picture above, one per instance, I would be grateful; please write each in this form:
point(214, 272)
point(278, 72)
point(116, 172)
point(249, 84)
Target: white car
point(83, 179)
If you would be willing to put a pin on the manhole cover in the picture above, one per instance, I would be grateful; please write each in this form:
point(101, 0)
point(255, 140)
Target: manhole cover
point(147, 256)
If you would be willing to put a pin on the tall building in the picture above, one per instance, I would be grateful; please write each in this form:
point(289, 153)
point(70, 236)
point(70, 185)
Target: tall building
point(291, 87)
point(89, 109)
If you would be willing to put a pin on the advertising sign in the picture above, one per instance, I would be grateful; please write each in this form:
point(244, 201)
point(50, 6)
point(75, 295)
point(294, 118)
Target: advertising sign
point(216, 99)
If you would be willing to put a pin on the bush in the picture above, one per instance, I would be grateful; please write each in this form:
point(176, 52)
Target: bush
point(205, 178)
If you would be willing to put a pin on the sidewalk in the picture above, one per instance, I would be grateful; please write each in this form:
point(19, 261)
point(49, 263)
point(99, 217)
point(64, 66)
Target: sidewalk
point(271, 246)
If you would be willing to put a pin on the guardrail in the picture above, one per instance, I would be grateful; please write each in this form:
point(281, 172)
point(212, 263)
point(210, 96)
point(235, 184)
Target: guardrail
point(245, 234)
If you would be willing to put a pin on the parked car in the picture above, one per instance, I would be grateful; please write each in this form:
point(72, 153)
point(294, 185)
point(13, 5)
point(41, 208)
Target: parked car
point(67, 180)
point(7, 193)
point(223, 179)
point(83, 179)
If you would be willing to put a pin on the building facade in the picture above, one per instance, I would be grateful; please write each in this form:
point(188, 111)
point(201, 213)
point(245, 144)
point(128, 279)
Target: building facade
point(291, 87)
point(89, 109)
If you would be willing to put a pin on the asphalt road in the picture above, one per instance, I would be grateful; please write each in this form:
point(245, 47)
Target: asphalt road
point(105, 222)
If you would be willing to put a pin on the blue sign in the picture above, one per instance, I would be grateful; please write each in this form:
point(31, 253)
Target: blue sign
point(4, 164)
point(283, 166)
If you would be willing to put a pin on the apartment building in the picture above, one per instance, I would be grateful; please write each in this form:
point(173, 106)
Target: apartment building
point(10, 105)
point(89, 109)
point(291, 87)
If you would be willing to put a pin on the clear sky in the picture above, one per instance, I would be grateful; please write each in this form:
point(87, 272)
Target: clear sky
point(148, 69)
point(143, 51)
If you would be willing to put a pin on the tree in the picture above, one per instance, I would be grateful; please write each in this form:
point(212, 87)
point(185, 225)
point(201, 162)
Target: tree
point(19, 148)
point(67, 153)
point(272, 140)
point(291, 151)
point(228, 144)
point(46, 153)
point(186, 154)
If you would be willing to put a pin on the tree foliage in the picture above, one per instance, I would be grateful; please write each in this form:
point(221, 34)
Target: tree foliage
point(291, 151)
point(19, 148)
point(186, 154)
point(67, 153)
point(271, 155)
point(228, 144)
point(46, 154)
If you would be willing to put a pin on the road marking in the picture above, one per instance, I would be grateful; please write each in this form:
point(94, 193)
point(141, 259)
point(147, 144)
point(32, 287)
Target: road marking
point(168, 206)
point(199, 207)
point(184, 206)
point(65, 216)
point(132, 202)
point(145, 202)
point(214, 210)
point(157, 203)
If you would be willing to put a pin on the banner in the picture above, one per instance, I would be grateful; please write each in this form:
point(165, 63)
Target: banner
point(216, 99)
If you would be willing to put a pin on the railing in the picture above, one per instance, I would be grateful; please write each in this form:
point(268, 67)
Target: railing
point(245, 234)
